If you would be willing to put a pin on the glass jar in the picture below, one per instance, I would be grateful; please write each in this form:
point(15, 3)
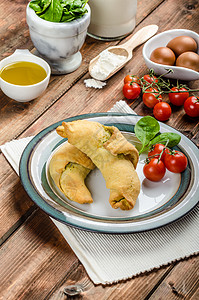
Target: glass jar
point(112, 19)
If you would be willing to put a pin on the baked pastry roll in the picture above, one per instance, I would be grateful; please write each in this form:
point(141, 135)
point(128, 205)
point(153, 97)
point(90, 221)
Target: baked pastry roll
point(69, 168)
point(112, 154)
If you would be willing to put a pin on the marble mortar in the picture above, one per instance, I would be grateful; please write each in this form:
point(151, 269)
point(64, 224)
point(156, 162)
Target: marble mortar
point(58, 43)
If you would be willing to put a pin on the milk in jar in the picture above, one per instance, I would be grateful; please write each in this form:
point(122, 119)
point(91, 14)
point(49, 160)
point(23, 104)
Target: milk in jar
point(112, 19)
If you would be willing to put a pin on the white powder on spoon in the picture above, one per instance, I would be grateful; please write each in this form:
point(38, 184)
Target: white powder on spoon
point(106, 63)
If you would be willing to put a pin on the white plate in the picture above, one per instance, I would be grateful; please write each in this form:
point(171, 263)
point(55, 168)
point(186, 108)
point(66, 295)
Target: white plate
point(159, 203)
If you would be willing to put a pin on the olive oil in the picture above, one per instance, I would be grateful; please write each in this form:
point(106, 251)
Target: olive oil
point(23, 73)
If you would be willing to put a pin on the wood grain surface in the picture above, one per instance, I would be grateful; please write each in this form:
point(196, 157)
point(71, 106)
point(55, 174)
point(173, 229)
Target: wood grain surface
point(35, 260)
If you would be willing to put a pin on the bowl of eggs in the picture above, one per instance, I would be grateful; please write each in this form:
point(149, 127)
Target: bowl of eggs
point(176, 50)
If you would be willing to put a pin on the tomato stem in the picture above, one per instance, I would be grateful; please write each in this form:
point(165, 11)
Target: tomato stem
point(165, 147)
point(162, 85)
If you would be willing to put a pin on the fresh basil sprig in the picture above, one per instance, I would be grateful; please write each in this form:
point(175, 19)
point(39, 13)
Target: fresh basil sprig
point(147, 131)
point(59, 10)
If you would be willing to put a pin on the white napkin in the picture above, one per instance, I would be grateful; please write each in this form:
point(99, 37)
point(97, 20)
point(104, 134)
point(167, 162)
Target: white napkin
point(109, 258)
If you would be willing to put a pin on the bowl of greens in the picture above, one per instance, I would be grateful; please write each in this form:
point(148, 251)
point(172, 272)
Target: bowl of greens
point(58, 30)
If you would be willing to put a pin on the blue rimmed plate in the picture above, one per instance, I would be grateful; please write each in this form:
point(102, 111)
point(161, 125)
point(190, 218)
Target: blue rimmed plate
point(158, 204)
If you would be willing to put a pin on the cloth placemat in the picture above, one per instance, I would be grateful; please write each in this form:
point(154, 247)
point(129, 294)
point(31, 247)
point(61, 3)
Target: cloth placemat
point(110, 258)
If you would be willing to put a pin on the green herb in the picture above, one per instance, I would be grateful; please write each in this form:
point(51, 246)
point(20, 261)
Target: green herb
point(59, 10)
point(147, 131)
point(173, 139)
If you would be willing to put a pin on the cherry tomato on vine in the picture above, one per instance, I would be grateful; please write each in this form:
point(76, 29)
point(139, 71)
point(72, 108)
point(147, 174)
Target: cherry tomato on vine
point(178, 98)
point(131, 90)
point(191, 106)
point(175, 161)
point(131, 78)
point(156, 150)
point(154, 170)
point(162, 111)
point(150, 79)
point(151, 97)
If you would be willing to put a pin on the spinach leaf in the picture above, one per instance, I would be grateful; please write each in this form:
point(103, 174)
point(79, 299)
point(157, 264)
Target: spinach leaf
point(145, 130)
point(173, 139)
point(67, 16)
point(35, 4)
point(54, 12)
point(73, 9)
point(39, 6)
point(46, 4)
point(59, 10)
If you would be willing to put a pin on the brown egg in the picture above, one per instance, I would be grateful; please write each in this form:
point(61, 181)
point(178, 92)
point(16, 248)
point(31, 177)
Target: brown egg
point(188, 60)
point(182, 44)
point(163, 55)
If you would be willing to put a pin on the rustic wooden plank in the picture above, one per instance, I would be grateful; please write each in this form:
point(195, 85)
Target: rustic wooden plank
point(14, 202)
point(195, 296)
point(21, 115)
point(12, 25)
point(181, 283)
point(176, 281)
point(134, 289)
point(34, 259)
point(43, 251)
point(195, 138)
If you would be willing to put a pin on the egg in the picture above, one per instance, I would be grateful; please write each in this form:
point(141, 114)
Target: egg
point(188, 60)
point(181, 44)
point(163, 55)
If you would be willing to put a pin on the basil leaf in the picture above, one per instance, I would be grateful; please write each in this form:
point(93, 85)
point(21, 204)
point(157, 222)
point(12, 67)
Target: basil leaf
point(173, 139)
point(145, 130)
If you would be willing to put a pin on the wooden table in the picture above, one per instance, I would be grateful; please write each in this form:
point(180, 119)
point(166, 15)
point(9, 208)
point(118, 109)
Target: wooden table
point(35, 260)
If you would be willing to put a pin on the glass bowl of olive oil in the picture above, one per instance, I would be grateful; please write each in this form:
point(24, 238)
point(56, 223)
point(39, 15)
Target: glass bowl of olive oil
point(24, 76)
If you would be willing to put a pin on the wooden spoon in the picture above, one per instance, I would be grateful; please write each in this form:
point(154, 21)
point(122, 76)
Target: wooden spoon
point(126, 49)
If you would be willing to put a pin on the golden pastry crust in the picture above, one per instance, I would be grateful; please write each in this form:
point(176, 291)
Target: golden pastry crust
point(72, 182)
point(112, 154)
point(68, 168)
point(117, 144)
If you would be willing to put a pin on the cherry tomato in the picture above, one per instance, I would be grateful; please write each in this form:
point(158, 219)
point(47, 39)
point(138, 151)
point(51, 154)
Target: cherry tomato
point(151, 97)
point(179, 98)
point(150, 79)
point(131, 90)
point(156, 150)
point(131, 78)
point(191, 106)
point(175, 161)
point(162, 111)
point(154, 170)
